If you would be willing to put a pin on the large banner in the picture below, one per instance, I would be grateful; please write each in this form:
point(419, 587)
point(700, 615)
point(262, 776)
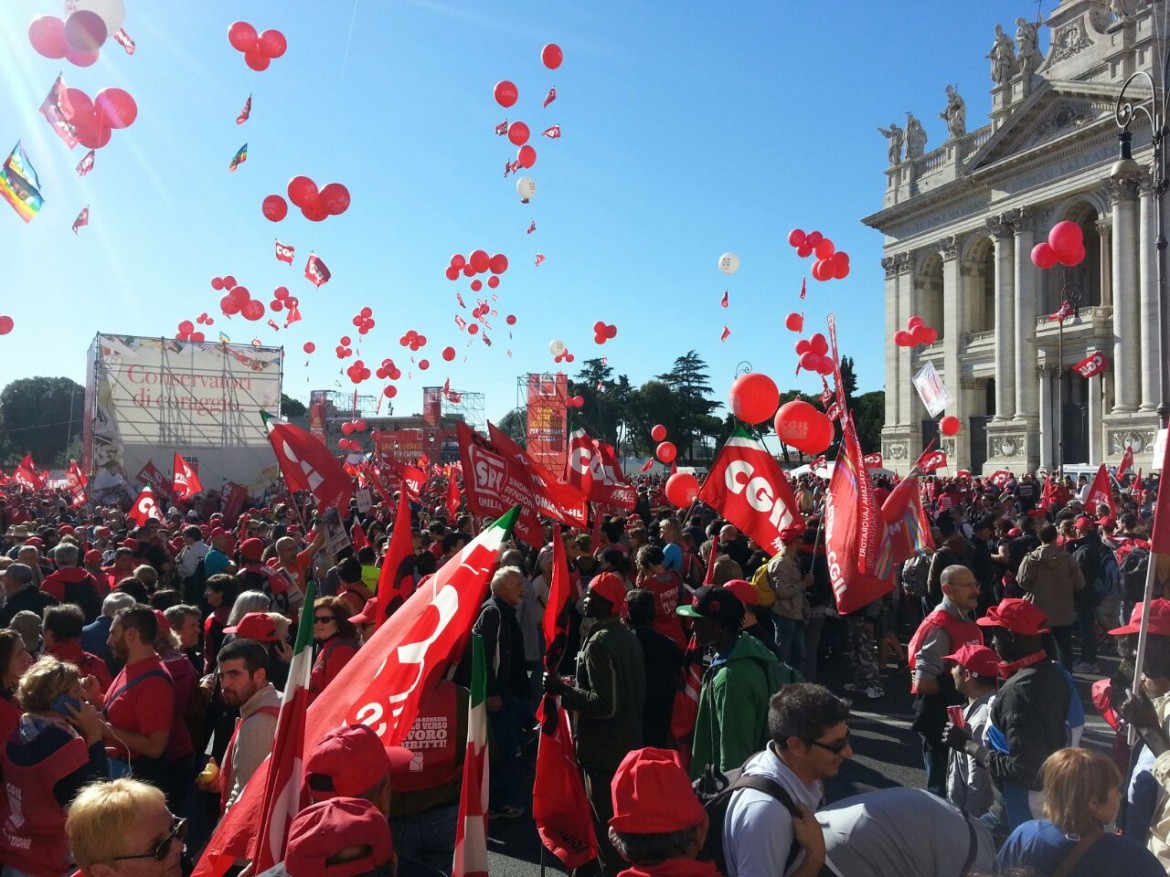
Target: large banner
point(200, 399)
point(318, 413)
point(547, 419)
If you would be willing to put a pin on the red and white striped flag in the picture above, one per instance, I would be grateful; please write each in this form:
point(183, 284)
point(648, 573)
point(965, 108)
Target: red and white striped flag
point(552, 132)
point(471, 858)
point(123, 39)
point(86, 164)
point(246, 112)
point(285, 252)
point(81, 220)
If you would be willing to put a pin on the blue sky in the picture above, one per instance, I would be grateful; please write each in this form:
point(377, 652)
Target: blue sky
point(689, 129)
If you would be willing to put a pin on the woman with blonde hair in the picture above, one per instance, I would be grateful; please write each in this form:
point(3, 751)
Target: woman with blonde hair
point(124, 827)
point(1082, 796)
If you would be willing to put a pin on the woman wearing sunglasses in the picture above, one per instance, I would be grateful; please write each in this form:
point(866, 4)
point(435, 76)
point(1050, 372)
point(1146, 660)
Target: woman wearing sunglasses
point(335, 639)
point(122, 828)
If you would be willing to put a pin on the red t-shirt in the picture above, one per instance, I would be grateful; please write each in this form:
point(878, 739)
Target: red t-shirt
point(665, 587)
point(141, 705)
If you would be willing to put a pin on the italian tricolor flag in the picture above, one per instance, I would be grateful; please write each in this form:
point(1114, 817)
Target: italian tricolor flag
point(471, 838)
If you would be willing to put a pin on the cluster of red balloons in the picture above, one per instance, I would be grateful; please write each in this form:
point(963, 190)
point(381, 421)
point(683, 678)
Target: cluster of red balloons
point(603, 332)
point(238, 299)
point(204, 320)
point(187, 332)
point(754, 397)
point(413, 340)
point(813, 353)
point(518, 134)
point(388, 371)
point(94, 121)
point(364, 320)
point(575, 402)
point(681, 489)
point(915, 333)
point(80, 36)
point(950, 425)
point(343, 350)
point(316, 205)
point(259, 49)
point(804, 427)
point(794, 322)
point(1065, 244)
point(6, 324)
point(352, 426)
point(358, 372)
point(348, 444)
point(479, 262)
point(281, 299)
point(831, 264)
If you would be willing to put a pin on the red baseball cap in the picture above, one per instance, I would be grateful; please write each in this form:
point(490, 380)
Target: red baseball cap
point(132, 544)
point(252, 549)
point(351, 760)
point(744, 590)
point(255, 625)
point(652, 794)
point(1084, 522)
point(322, 830)
point(793, 533)
point(1106, 522)
point(980, 660)
point(1018, 616)
point(369, 613)
point(217, 531)
point(610, 586)
point(66, 529)
point(1159, 619)
point(92, 556)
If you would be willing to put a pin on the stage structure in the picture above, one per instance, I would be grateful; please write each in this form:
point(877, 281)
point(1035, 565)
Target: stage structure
point(440, 403)
point(146, 398)
point(546, 398)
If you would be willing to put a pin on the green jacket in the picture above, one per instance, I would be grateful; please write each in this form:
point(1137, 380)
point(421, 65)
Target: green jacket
point(609, 696)
point(732, 724)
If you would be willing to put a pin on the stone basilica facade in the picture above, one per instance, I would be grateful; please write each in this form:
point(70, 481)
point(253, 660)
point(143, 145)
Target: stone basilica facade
point(960, 222)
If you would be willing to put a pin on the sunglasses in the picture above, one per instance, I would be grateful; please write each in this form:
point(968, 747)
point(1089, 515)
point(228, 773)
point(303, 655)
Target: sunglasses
point(836, 748)
point(324, 619)
point(160, 852)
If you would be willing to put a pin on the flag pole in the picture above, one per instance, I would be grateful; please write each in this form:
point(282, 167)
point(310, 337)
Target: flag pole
point(1156, 543)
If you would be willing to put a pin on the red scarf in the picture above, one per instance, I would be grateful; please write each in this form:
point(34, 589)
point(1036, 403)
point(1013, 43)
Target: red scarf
point(1008, 669)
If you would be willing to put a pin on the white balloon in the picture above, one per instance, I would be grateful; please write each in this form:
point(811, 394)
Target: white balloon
point(112, 12)
point(729, 263)
point(556, 347)
point(526, 187)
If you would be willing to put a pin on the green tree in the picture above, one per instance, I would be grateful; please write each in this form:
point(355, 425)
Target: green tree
point(869, 414)
point(40, 416)
point(690, 384)
point(290, 407)
point(604, 410)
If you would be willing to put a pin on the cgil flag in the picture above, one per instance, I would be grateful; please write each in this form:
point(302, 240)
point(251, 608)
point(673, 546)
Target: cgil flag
point(726, 334)
point(552, 132)
point(58, 112)
point(471, 859)
point(1092, 365)
point(550, 97)
point(184, 480)
point(396, 578)
point(86, 164)
point(307, 465)
point(239, 158)
point(19, 184)
point(123, 39)
point(725, 301)
point(82, 219)
point(145, 507)
point(285, 252)
point(907, 526)
point(453, 499)
point(1101, 492)
point(246, 112)
point(315, 270)
point(1126, 461)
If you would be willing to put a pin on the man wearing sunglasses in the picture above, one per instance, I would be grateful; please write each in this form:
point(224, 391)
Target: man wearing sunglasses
point(762, 836)
point(122, 828)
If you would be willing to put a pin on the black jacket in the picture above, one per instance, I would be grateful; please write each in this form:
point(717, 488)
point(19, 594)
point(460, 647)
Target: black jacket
point(503, 647)
point(1031, 710)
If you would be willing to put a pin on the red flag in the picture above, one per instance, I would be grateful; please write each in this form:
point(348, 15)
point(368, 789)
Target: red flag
point(246, 112)
point(531, 226)
point(307, 465)
point(1066, 310)
point(872, 461)
point(746, 486)
point(726, 334)
point(315, 271)
point(593, 468)
point(724, 302)
point(550, 97)
point(647, 466)
point(396, 578)
point(857, 544)
point(26, 473)
point(81, 220)
point(502, 128)
point(1126, 461)
point(452, 496)
point(123, 39)
point(86, 164)
point(185, 480)
point(1092, 365)
point(59, 112)
point(551, 497)
point(539, 259)
point(552, 132)
point(1101, 492)
point(906, 521)
point(294, 316)
point(76, 481)
point(1000, 477)
point(803, 287)
point(559, 806)
point(285, 252)
point(556, 610)
point(400, 663)
point(686, 702)
point(145, 507)
point(358, 537)
point(712, 556)
point(931, 461)
point(411, 479)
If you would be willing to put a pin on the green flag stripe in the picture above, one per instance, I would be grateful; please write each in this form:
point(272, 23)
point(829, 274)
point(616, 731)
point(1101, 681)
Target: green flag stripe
point(478, 672)
point(305, 629)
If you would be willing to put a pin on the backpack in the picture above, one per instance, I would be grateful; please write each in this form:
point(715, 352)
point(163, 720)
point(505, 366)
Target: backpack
point(1134, 567)
point(1099, 567)
point(714, 790)
point(915, 571)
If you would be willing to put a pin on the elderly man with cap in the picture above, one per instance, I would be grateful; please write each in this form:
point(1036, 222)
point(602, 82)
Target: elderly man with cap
point(1029, 718)
point(658, 824)
point(944, 631)
point(733, 702)
point(608, 697)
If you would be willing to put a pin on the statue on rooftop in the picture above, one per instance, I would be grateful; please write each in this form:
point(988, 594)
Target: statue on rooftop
point(1028, 56)
point(895, 135)
point(1002, 57)
point(955, 114)
point(915, 137)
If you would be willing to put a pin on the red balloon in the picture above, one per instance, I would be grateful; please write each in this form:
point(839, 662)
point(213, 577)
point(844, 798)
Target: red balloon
point(658, 432)
point(457, 262)
point(346, 340)
point(914, 322)
point(448, 353)
point(493, 282)
point(819, 270)
point(186, 327)
point(452, 272)
point(518, 133)
point(229, 306)
point(80, 59)
point(552, 56)
point(229, 282)
point(468, 270)
point(929, 335)
point(1074, 256)
point(473, 329)
point(315, 211)
point(818, 344)
point(480, 262)
point(839, 265)
point(813, 239)
point(1043, 256)
point(1065, 237)
point(6, 324)
point(510, 319)
point(824, 249)
point(252, 310)
point(347, 428)
point(802, 426)
point(275, 208)
point(903, 338)
point(257, 60)
point(578, 401)
point(526, 156)
point(360, 425)
point(476, 285)
point(506, 93)
point(85, 31)
point(681, 489)
point(47, 35)
point(810, 361)
point(390, 391)
point(611, 331)
point(272, 43)
point(281, 292)
point(804, 250)
point(116, 107)
point(240, 296)
point(666, 452)
point(424, 364)
point(88, 130)
point(242, 36)
point(217, 283)
point(335, 198)
point(950, 425)
point(198, 336)
point(794, 322)
point(754, 397)
point(301, 191)
point(498, 263)
point(310, 347)
point(796, 238)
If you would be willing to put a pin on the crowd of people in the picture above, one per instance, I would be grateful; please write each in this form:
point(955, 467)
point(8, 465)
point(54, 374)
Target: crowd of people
point(142, 669)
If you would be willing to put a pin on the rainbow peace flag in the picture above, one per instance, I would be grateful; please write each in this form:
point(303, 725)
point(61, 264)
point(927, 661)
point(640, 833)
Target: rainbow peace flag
point(240, 157)
point(19, 184)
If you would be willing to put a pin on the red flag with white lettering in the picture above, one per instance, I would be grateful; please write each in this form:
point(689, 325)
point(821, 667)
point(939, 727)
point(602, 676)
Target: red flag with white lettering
point(145, 507)
point(931, 461)
point(748, 488)
point(1092, 365)
point(185, 480)
point(593, 468)
point(872, 461)
point(551, 497)
point(906, 521)
point(1101, 492)
point(307, 465)
point(452, 495)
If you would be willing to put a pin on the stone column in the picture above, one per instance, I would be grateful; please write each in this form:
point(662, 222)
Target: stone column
point(953, 327)
point(1005, 329)
point(1044, 377)
point(893, 386)
point(1025, 317)
point(1127, 343)
point(1105, 233)
point(1151, 368)
point(904, 265)
point(1096, 432)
